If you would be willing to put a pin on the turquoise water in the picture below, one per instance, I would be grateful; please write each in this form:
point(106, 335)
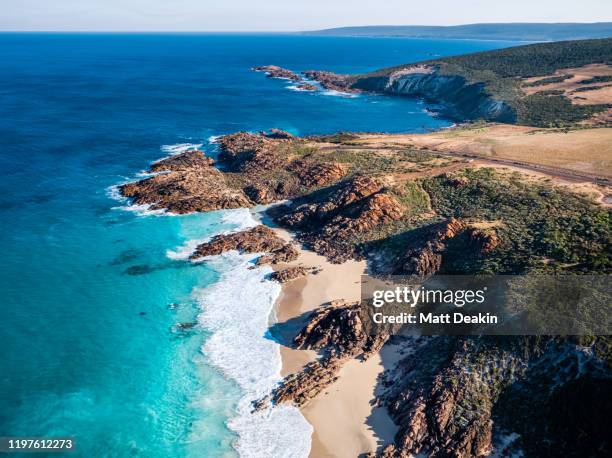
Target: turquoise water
point(90, 347)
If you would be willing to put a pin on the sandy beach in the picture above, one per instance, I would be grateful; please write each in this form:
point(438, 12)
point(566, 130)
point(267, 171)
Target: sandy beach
point(343, 409)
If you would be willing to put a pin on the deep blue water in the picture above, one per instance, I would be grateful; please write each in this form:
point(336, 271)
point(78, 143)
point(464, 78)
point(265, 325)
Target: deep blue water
point(87, 349)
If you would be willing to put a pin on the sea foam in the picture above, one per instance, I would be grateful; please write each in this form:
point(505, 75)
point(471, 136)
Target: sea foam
point(179, 148)
point(239, 219)
point(237, 310)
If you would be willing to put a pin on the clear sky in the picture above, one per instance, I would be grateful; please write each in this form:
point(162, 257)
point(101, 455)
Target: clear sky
point(284, 15)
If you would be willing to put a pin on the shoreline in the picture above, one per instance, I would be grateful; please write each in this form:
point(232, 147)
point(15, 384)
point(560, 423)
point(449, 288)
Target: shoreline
point(344, 408)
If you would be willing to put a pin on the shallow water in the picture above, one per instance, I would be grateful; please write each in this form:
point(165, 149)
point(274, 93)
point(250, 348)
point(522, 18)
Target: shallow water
point(90, 346)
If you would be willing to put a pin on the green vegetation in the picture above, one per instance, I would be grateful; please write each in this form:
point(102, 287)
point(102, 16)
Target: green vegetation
point(534, 60)
point(412, 196)
point(598, 79)
point(543, 228)
point(501, 72)
point(553, 110)
point(590, 88)
point(548, 80)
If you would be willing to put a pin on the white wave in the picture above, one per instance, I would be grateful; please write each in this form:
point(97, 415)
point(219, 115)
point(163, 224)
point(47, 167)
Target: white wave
point(293, 87)
point(114, 193)
point(143, 210)
point(240, 219)
point(346, 95)
point(179, 148)
point(237, 310)
point(183, 252)
point(214, 139)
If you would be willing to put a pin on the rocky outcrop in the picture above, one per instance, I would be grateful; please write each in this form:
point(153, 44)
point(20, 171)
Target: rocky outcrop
point(180, 162)
point(338, 332)
point(189, 183)
point(486, 240)
point(303, 386)
point(461, 99)
point(424, 258)
point(290, 273)
point(448, 395)
point(331, 81)
point(273, 71)
point(329, 223)
point(307, 87)
point(246, 152)
point(278, 134)
point(260, 239)
point(320, 174)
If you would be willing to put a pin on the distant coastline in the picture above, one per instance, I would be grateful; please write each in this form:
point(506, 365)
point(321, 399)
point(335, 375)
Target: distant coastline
point(526, 32)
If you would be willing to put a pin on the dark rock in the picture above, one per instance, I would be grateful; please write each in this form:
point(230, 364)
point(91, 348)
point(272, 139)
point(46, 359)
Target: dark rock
point(260, 239)
point(190, 184)
point(331, 81)
point(273, 71)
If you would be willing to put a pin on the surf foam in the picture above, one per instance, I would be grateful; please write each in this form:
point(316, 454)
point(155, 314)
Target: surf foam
point(237, 311)
point(179, 148)
point(240, 219)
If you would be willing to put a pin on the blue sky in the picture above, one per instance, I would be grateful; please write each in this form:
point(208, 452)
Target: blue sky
point(283, 15)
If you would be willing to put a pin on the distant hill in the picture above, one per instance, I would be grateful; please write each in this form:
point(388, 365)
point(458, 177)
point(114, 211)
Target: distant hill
point(512, 31)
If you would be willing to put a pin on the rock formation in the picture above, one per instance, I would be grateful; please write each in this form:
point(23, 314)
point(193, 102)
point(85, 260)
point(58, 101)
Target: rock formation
point(260, 239)
point(189, 183)
point(445, 395)
point(331, 81)
point(338, 332)
point(307, 87)
point(319, 174)
point(328, 224)
point(290, 273)
point(273, 71)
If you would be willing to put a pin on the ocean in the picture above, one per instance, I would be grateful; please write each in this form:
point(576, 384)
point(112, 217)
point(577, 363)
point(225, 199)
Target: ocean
point(108, 334)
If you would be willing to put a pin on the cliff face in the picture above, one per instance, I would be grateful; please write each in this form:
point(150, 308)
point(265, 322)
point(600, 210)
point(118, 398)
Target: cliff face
point(460, 99)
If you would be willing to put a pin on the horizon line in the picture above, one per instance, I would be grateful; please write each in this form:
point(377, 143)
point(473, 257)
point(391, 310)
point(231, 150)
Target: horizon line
point(291, 31)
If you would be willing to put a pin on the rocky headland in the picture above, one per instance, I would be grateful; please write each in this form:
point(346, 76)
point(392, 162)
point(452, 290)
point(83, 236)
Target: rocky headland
point(411, 212)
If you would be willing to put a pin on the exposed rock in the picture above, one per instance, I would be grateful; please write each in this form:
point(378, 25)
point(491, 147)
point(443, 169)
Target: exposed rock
point(338, 331)
point(260, 193)
point(290, 273)
point(331, 81)
point(307, 87)
point(303, 386)
point(244, 151)
point(444, 395)
point(273, 71)
point(460, 99)
point(278, 134)
point(184, 161)
point(425, 259)
point(320, 174)
point(287, 253)
point(260, 239)
point(190, 183)
point(330, 223)
point(485, 239)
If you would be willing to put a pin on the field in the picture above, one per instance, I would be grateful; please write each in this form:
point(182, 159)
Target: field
point(586, 152)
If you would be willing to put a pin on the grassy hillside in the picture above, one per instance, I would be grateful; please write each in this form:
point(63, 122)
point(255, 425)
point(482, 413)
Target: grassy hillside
point(502, 71)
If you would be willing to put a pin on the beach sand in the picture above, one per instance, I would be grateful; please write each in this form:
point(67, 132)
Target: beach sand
point(344, 409)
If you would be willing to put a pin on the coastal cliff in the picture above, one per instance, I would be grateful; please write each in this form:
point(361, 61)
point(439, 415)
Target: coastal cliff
point(499, 85)
point(458, 99)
